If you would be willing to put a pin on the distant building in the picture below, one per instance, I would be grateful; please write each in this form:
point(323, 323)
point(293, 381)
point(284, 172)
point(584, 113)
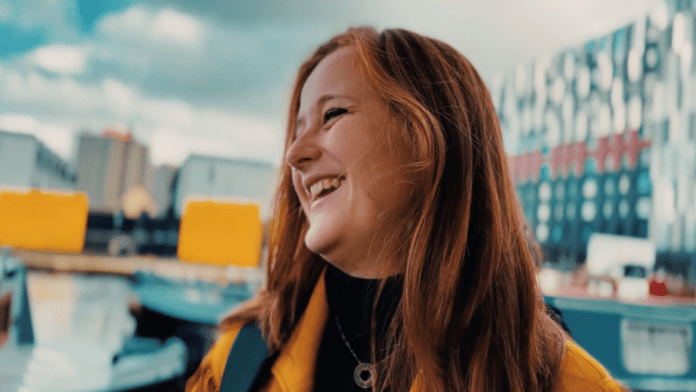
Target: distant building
point(108, 167)
point(602, 136)
point(205, 176)
point(159, 184)
point(25, 162)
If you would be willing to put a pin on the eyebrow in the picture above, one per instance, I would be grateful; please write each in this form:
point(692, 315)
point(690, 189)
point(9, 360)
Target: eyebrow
point(320, 102)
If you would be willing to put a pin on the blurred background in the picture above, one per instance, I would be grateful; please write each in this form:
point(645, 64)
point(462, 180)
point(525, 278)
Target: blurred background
point(140, 144)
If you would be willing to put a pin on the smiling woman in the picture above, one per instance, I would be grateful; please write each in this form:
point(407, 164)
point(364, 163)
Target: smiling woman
point(398, 259)
point(352, 184)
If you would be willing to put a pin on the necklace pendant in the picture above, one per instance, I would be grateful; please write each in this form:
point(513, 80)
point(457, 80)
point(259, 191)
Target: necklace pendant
point(358, 375)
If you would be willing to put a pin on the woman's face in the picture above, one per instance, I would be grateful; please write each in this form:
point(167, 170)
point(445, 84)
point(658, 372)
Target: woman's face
point(350, 179)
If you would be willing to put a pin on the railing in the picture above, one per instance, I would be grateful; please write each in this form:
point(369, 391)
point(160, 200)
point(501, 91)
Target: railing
point(647, 347)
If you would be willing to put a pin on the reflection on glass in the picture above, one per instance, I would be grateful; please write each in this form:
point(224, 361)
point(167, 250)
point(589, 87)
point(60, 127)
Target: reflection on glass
point(570, 212)
point(623, 209)
point(542, 232)
point(608, 210)
point(544, 212)
point(589, 211)
point(609, 186)
point(589, 188)
point(624, 184)
point(643, 208)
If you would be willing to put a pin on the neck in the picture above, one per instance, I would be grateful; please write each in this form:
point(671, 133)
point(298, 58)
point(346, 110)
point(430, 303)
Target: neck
point(351, 300)
point(362, 270)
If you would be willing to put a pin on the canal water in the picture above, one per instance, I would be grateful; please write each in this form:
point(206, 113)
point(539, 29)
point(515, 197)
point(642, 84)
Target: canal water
point(82, 321)
point(67, 308)
point(83, 330)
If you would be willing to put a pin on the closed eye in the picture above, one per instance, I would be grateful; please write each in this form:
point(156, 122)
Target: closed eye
point(333, 113)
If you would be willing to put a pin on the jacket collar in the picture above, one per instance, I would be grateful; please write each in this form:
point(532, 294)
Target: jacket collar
point(294, 368)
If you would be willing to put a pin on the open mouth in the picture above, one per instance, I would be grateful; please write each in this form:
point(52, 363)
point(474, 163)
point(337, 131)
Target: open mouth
point(324, 187)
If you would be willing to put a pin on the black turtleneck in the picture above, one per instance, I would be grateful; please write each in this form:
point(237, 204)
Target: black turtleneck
point(350, 300)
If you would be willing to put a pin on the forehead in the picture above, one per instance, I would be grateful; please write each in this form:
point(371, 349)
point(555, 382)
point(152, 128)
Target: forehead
point(336, 74)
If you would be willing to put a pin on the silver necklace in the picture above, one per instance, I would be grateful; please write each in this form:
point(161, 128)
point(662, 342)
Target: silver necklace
point(362, 366)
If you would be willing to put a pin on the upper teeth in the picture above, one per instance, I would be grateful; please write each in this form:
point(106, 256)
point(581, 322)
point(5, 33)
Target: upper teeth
point(324, 184)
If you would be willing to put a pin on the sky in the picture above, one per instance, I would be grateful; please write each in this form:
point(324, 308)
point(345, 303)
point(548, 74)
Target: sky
point(213, 77)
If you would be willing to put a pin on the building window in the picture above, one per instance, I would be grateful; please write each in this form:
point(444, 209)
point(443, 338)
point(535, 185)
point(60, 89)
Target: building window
point(211, 175)
point(664, 132)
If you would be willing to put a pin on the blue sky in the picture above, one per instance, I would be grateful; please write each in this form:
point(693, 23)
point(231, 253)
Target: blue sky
point(213, 77)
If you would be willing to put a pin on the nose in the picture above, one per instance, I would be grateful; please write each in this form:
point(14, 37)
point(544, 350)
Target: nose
point(302, 151)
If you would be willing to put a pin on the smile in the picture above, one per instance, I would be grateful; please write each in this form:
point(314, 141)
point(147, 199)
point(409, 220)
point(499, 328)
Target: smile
point(323, 187)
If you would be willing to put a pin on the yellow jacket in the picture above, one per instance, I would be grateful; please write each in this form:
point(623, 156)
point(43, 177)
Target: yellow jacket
point(293, 370)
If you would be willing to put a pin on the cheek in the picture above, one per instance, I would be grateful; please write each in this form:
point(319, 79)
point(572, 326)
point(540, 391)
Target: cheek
point(384, 181)
point(376, 163)
point(297, 187)
point(350, 142)
point(391, 179)
point(394, 191)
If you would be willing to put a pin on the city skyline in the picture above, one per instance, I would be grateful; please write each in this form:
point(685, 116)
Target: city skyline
point(213, 78)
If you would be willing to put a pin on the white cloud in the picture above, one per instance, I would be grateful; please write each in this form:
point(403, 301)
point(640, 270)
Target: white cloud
point(173, 145)
point(49, 17)
point(60, 59)
point(177, 27)
point(61, 95)
point(169, 75)
point(211, 132)
point(119, 97)
point(132, 23)
point(166, 112)
point(167, 145)
point(246, 130)
point(143, 27)
point(58, 138)
point(19, 123)
point(173, 128)
point(497, 35)
point(5, 11)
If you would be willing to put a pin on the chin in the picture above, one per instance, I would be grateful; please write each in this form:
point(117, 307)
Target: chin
point(319, 245)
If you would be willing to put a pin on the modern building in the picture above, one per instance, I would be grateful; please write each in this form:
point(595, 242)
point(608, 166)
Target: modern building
point(108, 166)
point(602, 137)
point(214, 177)
point(27, 163)
point(160, 185)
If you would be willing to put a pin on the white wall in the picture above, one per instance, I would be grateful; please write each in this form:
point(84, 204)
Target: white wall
point(201, 176)
point(607, 254)
point(20, 166)
point(17, 159)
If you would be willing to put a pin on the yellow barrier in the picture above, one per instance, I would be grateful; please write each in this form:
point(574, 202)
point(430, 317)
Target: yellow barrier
point(43, 220)
point(220, 233)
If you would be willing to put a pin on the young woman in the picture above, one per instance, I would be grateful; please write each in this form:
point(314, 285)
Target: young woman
point(398, 257)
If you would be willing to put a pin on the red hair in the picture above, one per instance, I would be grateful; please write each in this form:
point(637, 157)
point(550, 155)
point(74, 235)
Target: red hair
point(471, 316)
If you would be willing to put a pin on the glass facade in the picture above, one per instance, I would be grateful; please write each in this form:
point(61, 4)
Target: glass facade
point(601, 136)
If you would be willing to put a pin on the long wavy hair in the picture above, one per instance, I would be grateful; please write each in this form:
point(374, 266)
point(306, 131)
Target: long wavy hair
point(471, 317)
